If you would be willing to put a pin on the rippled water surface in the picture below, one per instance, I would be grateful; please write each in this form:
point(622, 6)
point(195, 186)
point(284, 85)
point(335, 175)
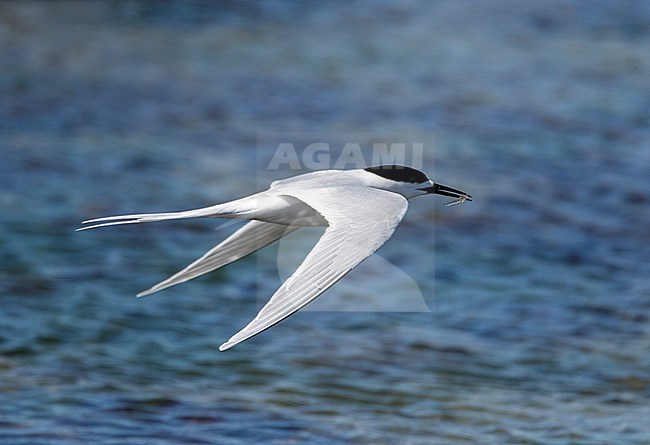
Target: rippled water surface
point(538, 330)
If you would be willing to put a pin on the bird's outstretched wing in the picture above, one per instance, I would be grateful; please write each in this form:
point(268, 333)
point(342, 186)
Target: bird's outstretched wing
point(249, 238)
point(360, 219)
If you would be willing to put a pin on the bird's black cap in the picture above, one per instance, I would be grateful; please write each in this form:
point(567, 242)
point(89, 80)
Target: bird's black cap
point(399, 173)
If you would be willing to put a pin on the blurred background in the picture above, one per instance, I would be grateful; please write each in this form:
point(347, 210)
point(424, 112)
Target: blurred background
point(539, 327)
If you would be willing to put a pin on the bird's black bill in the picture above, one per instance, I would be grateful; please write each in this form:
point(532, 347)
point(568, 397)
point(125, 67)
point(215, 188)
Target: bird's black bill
point(440, 189)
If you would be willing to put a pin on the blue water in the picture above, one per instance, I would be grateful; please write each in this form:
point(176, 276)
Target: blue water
point(539, 322)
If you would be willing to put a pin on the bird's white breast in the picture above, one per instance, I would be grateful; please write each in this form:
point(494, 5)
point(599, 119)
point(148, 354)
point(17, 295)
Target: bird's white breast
point(285, 210)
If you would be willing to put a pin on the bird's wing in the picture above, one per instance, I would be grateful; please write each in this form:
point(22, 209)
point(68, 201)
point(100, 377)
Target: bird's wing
point(360, 219)
point(249, 238)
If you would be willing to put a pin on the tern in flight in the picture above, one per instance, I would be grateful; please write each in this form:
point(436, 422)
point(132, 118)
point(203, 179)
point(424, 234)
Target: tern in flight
point(360, 210)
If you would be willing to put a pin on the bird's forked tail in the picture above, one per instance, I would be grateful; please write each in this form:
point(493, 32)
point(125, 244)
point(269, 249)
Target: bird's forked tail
point(216, 210)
